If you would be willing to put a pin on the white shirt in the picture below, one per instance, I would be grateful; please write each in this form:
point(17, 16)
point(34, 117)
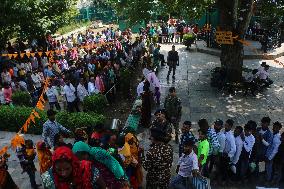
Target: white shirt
point(92, 89)
point(187, 163)
point(222, 139)
point(230, 145)
point(52, 94)
point(70, 93)
point(140, 88)
point(36, 79)
point(81, 92)
point(249, 142)
point(171, 30)
point(263, 74)
point(239, 146)
point(2, 99)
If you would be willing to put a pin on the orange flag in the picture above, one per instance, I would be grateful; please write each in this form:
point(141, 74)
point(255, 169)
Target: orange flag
point(40, 106)
point(15, 55)
point(10, 56)
point(4, 150)
point(47, 53)
point(17, 140)
point(22, 55)
point(36, 114)
point(28, 54)
point(39, 53)
point(32, 118)
point(4, 54)
point(25, 127)
point(32, 54)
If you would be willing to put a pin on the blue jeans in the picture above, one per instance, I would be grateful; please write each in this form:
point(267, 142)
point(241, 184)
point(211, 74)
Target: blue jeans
point(179, 182)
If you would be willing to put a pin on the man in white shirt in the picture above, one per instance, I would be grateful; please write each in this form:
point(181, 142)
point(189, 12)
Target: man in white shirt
point(172, 32)
point(239, 146)
point(263, 75)
point(229, 150)
point(81, 90)
point(36, 80)
point(92, 89)
point(272, 150)
point(70, 93)
point(52, 95)
point(248, 143)
point(187, 167)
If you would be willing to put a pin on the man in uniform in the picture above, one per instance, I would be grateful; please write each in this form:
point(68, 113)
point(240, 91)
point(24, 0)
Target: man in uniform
point(173, 61)
point(173, 109)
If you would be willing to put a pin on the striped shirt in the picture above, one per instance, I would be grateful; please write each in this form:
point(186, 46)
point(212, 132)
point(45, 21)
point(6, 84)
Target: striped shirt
point(213, 141)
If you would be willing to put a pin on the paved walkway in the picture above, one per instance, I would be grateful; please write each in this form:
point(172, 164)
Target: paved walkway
point(199, 100)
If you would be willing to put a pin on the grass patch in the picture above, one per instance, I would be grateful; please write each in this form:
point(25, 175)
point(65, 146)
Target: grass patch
point(73, 26)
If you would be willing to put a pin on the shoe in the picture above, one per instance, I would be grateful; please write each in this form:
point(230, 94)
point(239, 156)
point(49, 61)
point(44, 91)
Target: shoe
point(168, 77)
point(173, 77)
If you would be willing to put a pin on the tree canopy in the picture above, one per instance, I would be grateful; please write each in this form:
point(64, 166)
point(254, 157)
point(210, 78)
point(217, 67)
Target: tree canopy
point(29, 19)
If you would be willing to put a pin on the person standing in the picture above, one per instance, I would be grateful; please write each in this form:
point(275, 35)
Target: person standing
point(158, 161)
point(173, 109)
point(187, 166)
point(81, 90)
point(70, 92)
point(51, 127)
point(173, 62)
point(230, 149)
point(203, 151)
point(146, 106)
point(272, 150)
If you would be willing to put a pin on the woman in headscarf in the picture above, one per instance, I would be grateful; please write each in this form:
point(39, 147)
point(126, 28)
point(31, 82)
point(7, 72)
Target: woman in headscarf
point(67, 172)
point(44, 157)
point(130, 152)
point(110, 170)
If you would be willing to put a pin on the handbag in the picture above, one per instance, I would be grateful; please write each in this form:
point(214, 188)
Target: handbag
point(200, 182)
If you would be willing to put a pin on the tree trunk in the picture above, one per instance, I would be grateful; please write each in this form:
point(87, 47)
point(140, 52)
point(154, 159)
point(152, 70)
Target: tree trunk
point(232, 61)
point(235, 16)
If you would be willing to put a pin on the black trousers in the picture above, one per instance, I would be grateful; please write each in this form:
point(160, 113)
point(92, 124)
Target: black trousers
point(73, 105)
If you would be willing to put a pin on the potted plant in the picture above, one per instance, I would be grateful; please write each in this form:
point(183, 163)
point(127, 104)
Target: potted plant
point(188, 40)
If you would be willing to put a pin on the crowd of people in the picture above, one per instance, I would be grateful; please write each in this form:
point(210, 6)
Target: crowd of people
point(108, 158)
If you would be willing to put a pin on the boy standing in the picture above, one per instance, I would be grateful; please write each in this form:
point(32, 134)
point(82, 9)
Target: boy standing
point(187, 166)
point(186, 136)
point(203, 150)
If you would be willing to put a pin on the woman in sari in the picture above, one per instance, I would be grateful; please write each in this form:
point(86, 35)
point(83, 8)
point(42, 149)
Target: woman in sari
point(130, 152)
point(146, 105)
point(44, 157)
point(67, 172)
point(110, 170)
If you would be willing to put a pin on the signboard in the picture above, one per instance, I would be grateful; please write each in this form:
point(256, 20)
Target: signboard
point(224, 37)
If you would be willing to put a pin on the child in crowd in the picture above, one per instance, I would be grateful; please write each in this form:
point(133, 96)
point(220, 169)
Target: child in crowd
point(203, 150)
point(186, 135)
point(187, 166)
point(26, 155)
